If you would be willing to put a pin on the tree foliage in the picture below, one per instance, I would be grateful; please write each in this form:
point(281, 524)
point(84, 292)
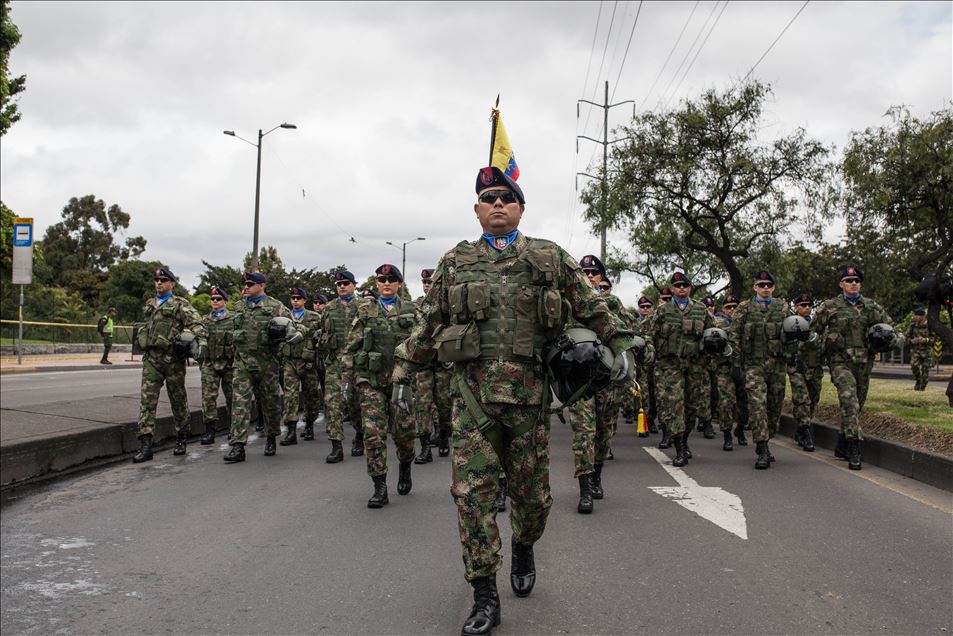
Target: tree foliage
point(10, 87)
point(129, 285)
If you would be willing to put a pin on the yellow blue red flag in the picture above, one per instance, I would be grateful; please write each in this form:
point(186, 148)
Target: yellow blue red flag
point(503, 157)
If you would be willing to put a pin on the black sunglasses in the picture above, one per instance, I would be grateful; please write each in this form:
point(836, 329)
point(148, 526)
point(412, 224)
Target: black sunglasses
point(251, 283)
point(764, 285)
point(343, 283)
point(805, 304)
point(591, 272)
point(217, 298)
point(163, 280)
point(681, 285)
point(490, 196)
point(388, 279)
point(297, 298)
point(851, 281)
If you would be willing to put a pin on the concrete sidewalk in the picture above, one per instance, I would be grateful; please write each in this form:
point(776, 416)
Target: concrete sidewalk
point(68, 362)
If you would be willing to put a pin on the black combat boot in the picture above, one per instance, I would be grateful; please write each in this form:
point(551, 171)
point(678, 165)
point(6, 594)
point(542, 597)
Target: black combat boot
point(501, 496)
point(699, 426)
point(797, 436)
point(688, 452)
point(308, 434)
point(425, 456)
point(666, 440)
point(443, 444)
point(595, 482)
point(337, 452)
point(357, 445)
point(708, 431)
point(291, 435)
point(485, 614)
point(728, 445)
point(840, 451)
point(144, 454)
point(522, 569)
point(807, 438)
point(762, 462)
point(180, 439)
point(768, 446)
point(679, 460)
point(236, 453)
point(404, 483)
point(209, 437)
point(585, 495)
point(379, 498)
point(270, 446)
point(653, 428)
point(853, 454)
point(740, 434)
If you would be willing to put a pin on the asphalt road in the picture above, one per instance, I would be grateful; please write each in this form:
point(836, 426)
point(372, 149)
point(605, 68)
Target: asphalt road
point(286, 545)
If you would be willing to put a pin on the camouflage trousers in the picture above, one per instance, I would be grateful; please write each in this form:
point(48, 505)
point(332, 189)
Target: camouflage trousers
point(300, 388)
point(607, 405)
point(432, 400)
point(708, 393)
point(726, 388)
point(255, 378)
point(336, 409)
point(159, 368)
point(765, 383)
point(582, 421)
point(805, 392)
point(516, 441)
point(920, 363)
point(215, 374)
point(379, 416)
point(851, 379)
point(680, 386)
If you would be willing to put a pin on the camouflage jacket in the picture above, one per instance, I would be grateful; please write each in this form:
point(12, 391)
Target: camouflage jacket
point(304, 349)
point(755, 333)
point(251, 327)
point(676, 333)
point(515, 376)
point(842, 328)
point(336, 319)
point(372, 338)
point(915, 332)
point(221, 343)
point(163, 323)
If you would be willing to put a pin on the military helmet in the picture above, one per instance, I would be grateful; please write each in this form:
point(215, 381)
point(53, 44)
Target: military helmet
point(715, 342)
point(279, 328)
point(578, 364)
point(185, 345)
point(795, 328)
point(880, 337)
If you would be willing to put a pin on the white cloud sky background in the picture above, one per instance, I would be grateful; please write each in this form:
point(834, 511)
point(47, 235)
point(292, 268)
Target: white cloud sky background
point(129, 101)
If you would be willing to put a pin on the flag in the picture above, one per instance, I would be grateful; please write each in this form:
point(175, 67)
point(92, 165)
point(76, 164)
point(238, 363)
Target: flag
point(503, 157)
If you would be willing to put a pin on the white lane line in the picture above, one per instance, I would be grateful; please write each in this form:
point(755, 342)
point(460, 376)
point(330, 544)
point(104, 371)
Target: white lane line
point(715, 504)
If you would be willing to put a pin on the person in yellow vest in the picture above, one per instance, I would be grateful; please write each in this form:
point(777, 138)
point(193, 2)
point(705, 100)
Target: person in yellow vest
point(105, 328)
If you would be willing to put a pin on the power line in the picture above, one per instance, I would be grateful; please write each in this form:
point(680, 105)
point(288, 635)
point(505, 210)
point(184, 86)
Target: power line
point(692, 63)
point(667, 59)
point(626, 54)
point(689, 51)
point(602, 63)
point(768, 50)
point(592, 49)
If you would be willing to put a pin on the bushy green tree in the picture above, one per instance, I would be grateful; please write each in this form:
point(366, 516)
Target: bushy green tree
point(10, 87)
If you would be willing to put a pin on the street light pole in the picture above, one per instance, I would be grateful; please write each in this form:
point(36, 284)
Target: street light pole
point(231, 133)
point(403, 252)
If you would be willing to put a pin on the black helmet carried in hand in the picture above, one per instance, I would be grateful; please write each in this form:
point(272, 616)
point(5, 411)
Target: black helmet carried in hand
point(880, 337)
point(185, 345)
point(795, 328)
point(715, 342)
point(578, 364)
point(279, 328)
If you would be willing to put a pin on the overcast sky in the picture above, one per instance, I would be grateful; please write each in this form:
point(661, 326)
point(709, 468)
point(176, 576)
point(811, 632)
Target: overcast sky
point(128, 102)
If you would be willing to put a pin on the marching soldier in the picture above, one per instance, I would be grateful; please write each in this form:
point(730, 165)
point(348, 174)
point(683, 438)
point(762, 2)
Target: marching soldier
point(340, 405)
point(378, 327)
point(921, 349)
point(300, 373)
point(257, 365)
point(842, 323)
point(664, 295)
point(647, 372)
point(729, 382)
point(709, 404)
point(805, 372)
point(425, 408)
point(495, 303)
point(166, 318)
point(218, 366)
point(318, 304)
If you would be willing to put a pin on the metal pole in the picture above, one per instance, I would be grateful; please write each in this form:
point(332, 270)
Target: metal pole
point(403, 260)
point(254, 254)
point(20, 344)
point(605, 174)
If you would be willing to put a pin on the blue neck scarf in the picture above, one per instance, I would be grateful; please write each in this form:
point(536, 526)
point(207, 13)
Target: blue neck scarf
point(251, 302)
point(297, 313)
point(764, 302)
point(852, 299)
point(724, 316)
point(500, 243)
point(217, 315)
point(160, 299)
point(345, 299)
point(682, 304)
point(387, 303)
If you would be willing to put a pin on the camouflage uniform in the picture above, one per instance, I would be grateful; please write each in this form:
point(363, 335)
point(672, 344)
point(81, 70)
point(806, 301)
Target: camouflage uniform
point(218, 366)
point(300, 373)
point(755, 337)
point(257, 367)
point(582, 421)
point(921, 353)
point(646, 378)
point(432, 396)
point(335, 322)
point(374, 334)
point(514, 301)
point(805, 372)
point(842, 326)
point(163, 323)
point(725, 384)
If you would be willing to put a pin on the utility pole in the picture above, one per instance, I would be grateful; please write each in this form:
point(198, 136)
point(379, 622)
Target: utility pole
point(604, 177)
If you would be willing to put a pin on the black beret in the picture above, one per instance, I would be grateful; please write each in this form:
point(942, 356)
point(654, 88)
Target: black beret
point(298, 291)
point(492, 176)
point(344, 275)
point(426, 274)
point(681, 277)
point(919, 311)
point(803, 297)
point(605, 281)
point(645, 300)
point(165, 272)
point(255, 277)
point(369, 293)
point(320, 299)
point(218, 291)
point(852, 271)
point(708, 301)
point(591, 261)
point(389, 270)
point(763, 275)
point(730, 301)
point(665, 291)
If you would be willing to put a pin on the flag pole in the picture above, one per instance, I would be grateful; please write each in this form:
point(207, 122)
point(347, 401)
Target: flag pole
point(494, 115)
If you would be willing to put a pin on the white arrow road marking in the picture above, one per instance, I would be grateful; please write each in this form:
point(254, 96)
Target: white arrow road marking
point(715, 504)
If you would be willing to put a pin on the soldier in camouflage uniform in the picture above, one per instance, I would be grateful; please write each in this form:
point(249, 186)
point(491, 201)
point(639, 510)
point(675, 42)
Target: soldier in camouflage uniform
point(709, 405)
point(724, 379)
point(218, 364)
point(495, 303)
point(805, 373)
point(377, 329)
point(300, 372)
point(646, 376)
point(921, 349)
point(257, 366)
point(166, 317)
point(425, 398)
point(318, 303)
point(756, 343)
point(679, 367)
point(842, 323)
point(341, 405)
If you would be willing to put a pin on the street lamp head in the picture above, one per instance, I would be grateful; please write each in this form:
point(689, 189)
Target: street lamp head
point(287, 125)
point(230, 133)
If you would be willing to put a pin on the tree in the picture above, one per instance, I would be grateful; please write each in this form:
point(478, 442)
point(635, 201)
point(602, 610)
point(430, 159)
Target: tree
point(696, 183)
point(10, 87)
point(129, 285)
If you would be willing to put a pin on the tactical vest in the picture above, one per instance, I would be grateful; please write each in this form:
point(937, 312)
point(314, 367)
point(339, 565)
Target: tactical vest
point(845, 335)
point(304, 348)
point(678, 332)
point(761, 335)
point(810, 354)
point(517, 308)
point(221, 344)
point(383, 331)
point(251, 327)
point(335, 324)
point(161, 326)
point(920, 331)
